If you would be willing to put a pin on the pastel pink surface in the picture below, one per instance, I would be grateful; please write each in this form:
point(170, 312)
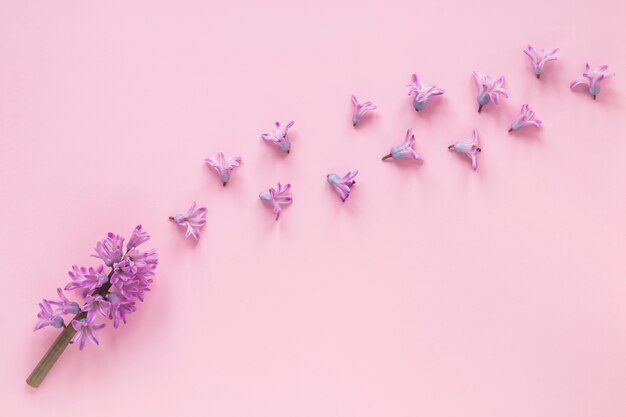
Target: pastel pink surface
point(433, 291)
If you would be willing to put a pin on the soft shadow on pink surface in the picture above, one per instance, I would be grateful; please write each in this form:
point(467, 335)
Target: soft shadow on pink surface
point(433, 290)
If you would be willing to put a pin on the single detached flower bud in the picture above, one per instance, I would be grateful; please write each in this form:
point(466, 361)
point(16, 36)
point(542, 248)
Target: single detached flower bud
point(359, 109)
point(405, 150)
point(278, 137)
point(539, 57)
point(468, 147)
point(277, 197)
point(342, 185)
point(223, 166)
point(488, 89)
point(591, 78)
point(526, 118)
point(192, 221)
point(422, 92)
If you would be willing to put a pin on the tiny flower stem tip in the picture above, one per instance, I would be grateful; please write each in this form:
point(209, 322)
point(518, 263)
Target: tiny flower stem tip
point(480, 108)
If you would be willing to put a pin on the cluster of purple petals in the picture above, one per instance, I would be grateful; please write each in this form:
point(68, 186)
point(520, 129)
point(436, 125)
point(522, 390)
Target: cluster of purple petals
point(110, 291)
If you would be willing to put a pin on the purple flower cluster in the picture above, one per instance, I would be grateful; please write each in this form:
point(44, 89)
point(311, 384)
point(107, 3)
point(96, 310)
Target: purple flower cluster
point(109, 295)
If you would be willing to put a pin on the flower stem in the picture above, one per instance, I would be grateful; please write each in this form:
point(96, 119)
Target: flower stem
point(386, 157)
point(60, 343)
point(52, 355)
point(480, 107)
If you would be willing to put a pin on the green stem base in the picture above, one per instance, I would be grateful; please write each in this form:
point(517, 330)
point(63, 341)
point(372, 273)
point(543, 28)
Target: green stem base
point(52, 355)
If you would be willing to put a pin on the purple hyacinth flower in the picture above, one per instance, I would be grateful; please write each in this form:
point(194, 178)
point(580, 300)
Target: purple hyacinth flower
point(279, 137)
point(359, 109)
point(96, 304)
point(526, 118)
point(539, 57)
point(405, 150)
point(488, 89)
point(120, 306)
point(422, 92)
point(468, 147)
point(84, 330)
point(64, 305)
point(86, 278)
point(111, 296)
point(342, 185)
point(591, 78)
point(193, 220)
point(137, 238)
point(110, 249)
point(47, 317)
point(223, 167)
point(280, 196)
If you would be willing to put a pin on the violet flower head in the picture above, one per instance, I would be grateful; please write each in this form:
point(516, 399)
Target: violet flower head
point(137, 238)
point(193, 220)
point(279, 137)
point(359, 109)
point(64, 305)
point(488, 89)
point(405, 150)
point(223, 167)
point(422, 92)
point(342, 185)
point(47, 317)
point(280, 196)
point(591, 78)
point(110, 249)
point(469, 148)
point(84, 330)
point(539, 57)
point(526, 118)
point(96, 304)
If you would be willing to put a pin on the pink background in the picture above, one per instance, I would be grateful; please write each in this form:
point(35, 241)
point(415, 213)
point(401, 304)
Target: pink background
point(434, 291)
